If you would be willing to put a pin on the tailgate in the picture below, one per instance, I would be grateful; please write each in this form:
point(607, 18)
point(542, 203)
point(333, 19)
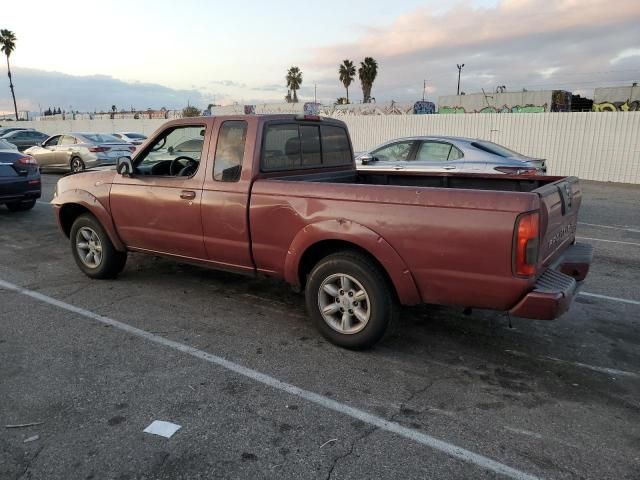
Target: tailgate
point(559, 205)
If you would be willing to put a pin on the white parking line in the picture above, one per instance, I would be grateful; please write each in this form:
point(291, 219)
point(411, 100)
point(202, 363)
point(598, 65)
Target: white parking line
point(608, 241)
point(612, 299)
point(611, 227)
point(326, 402)
point(595, 368)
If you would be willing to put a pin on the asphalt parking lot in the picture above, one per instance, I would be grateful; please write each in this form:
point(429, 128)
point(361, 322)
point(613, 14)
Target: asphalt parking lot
point(258, 394)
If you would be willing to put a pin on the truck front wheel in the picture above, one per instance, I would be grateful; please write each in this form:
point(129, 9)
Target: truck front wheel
point(92, 249)
point(350, 300)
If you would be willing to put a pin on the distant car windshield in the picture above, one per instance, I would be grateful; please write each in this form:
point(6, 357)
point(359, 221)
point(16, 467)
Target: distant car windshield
point(101, 138)
point(496, 149)
point(136, 136)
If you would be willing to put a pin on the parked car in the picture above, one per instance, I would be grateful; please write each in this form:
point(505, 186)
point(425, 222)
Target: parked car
point(20, 184)
point(131, 137)
point(24, 139)
point(448, 154)
point(5, 145)
point(279, 195)
point(77, 151)
point(5, 130)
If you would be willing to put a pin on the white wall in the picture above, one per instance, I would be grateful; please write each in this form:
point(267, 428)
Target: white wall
point(594, 146)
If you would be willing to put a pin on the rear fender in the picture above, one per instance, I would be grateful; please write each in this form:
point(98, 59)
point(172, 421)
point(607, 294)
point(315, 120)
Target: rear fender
point(361, 236)
point(91, 203)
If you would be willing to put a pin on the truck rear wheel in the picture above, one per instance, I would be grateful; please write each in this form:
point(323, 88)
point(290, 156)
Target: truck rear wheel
point(350, 300)
point(93, 251)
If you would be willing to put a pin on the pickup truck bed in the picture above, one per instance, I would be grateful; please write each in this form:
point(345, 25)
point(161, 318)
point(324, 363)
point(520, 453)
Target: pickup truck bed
point(465, 259)
point(293, 206)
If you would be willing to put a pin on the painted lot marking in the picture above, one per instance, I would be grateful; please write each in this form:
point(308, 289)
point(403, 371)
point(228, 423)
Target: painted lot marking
point(612, 299)
point(608, 241)
point(326, 402)
point(611, 227)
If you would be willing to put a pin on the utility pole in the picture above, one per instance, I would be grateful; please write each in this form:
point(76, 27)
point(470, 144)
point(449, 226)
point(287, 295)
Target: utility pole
point(460, 67)
point(424, 90)
point(315, 93)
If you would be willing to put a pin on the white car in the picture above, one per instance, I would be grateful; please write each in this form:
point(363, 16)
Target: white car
point(131, 137)
point(448, 154)
point(77, 151)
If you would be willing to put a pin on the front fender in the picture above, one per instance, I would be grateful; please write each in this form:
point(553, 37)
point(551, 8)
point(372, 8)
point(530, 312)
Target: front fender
point(361, 236)
point(90, 202)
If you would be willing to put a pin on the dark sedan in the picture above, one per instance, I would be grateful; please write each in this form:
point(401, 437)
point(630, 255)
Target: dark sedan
point(24, 139)
point(20, 184)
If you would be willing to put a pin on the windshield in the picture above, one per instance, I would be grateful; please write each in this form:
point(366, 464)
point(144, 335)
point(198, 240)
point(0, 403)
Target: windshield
point(101, 138)
point(496, 149)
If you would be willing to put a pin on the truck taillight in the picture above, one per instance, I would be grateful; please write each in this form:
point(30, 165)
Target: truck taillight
point(527, 244)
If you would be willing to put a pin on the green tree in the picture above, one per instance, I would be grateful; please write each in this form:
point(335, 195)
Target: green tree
point(190, 111)
point(8, 42)
point(294, 80)
point(367, 72)
point(347, 72)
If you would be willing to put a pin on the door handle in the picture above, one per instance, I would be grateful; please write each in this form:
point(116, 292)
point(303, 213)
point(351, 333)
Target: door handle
point(449, 168)
point(187, 194)
point(398, 167)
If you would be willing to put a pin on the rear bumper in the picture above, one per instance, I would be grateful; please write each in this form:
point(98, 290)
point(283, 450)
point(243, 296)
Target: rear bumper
point(556, 288)
point(23, 188)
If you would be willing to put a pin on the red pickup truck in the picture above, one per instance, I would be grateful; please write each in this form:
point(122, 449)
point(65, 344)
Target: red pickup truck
point(279, 195)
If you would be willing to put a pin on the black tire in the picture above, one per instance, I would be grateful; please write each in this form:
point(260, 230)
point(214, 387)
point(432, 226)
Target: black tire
point(21, 206)
point(76, 165)
point(382, 304)
point(112, 261)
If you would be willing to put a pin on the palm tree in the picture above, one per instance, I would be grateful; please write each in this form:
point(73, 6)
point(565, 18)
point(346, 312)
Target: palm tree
point(347, 72)
point(294, 80)
point(8, 42)
point(367, 72)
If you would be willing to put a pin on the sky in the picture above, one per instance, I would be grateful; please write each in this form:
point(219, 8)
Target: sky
point(88, 55)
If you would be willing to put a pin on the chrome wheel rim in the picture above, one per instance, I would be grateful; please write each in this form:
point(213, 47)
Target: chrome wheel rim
point(76, 166)
point(344, 304)
point(89, 247)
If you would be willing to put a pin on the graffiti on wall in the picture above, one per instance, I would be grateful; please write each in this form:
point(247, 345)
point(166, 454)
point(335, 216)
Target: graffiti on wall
point(451, 110)
point(560, 101)
point(617, 106)
point(424, 108)
point(503, 109)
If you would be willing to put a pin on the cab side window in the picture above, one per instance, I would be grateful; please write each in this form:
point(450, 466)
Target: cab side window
point(176, 152)
point(230, 151)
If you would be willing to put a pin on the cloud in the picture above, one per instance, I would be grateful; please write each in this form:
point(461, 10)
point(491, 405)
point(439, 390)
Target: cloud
point(534, 44)
point(626, 53)
point(272, 87)
point(228, 83)
point(37, 89)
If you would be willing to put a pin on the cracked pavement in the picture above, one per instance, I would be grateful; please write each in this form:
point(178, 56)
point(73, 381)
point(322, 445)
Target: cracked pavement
point(468, 380)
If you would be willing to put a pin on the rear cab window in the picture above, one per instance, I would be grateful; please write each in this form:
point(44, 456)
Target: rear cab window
point(294, 146)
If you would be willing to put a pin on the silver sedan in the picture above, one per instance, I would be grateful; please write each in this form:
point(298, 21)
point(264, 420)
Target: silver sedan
point(448, 154)
point(77, 151)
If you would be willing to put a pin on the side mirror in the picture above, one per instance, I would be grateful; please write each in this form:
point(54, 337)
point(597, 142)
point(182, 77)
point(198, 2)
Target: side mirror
point(124, 167)
point(367, 159)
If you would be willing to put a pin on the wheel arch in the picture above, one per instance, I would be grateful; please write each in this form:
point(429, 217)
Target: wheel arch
point(316, 241)
point(71, 207)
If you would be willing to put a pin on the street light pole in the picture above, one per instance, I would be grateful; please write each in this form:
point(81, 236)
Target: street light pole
point(460, 67)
